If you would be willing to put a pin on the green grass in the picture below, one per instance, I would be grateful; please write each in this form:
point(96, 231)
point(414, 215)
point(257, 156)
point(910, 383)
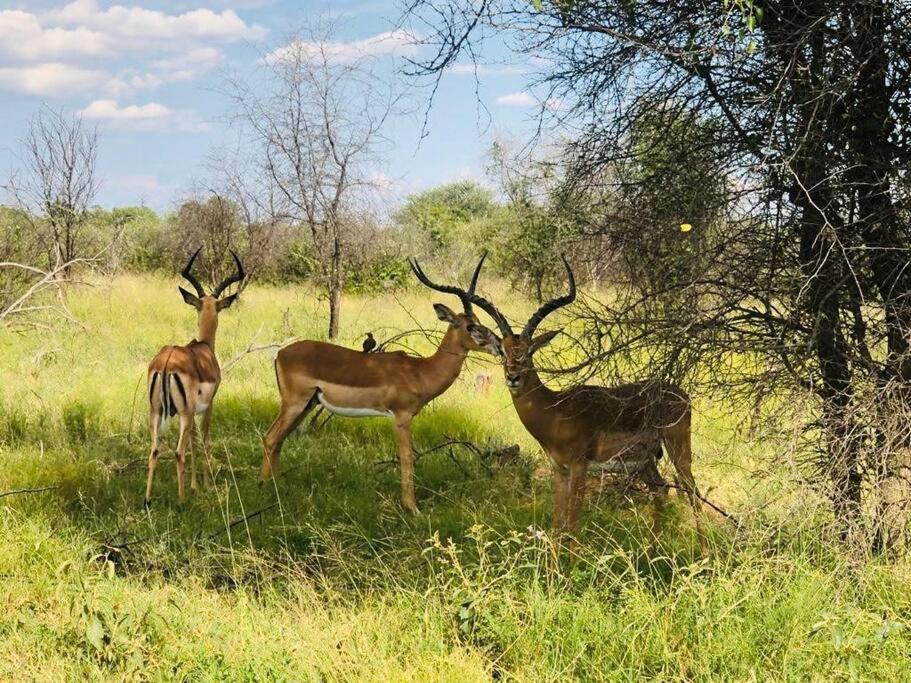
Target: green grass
point(335, 582)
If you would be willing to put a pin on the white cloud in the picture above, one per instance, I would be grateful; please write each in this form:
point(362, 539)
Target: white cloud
point(517, 99)
point(185, 67)
point(78, 47)
point(190, 64)
point(392, 43)
point(150, 116)
point(382, 182)
point(137, 23)
point(111, 111)
point(525, 100)
point(469, 69)
point(52, 79)
point(24, 38)
point(83, 29)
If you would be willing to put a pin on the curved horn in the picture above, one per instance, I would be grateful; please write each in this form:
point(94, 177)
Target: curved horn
point(187, 274)
point(485, 305)
point(552, 305)
point(237, 277)
point(477, 273)
point(446, 289)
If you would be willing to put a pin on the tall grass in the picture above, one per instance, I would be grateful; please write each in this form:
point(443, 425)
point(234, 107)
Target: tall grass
point(332, 581)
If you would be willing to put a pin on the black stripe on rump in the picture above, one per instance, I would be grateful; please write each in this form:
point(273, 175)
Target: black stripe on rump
point(152, 386)
point(183, 393)
point(166, 392)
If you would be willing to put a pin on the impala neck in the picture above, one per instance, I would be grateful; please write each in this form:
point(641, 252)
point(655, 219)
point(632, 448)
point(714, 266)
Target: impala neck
point(208, 324)
point(533, 396)
point(448, 361)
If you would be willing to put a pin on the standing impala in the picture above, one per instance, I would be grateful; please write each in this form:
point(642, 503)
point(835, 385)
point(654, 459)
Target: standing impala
point(625, 424)
point(390, 384)
point(183, 379)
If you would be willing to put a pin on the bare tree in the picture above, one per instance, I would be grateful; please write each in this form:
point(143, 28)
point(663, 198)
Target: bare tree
point(57, 184)
point(318, 127)
point(257, 204)
point(212, 222)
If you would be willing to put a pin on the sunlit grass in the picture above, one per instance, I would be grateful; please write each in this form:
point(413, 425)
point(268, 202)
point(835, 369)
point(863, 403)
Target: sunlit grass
point(334, 582)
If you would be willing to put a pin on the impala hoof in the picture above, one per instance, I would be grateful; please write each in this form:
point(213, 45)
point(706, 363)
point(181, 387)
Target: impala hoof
point(147, 504)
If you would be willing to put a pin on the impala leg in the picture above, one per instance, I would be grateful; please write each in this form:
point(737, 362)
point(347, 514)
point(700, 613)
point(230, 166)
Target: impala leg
point(154, 427)
point(287, 421)
point(561, 495)
point(186, 433)
point(652, 478)
point(681, 454)
point(207, 458)
point(406, 461)
point(191, 446)
point(578, 475)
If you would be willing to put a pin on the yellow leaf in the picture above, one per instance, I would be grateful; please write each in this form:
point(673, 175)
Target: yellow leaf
point(685, 227)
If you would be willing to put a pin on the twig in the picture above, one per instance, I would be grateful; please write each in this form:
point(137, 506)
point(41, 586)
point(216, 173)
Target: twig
point(241, 520)
point(705, 500)
point(19, 491)
point(254, 348)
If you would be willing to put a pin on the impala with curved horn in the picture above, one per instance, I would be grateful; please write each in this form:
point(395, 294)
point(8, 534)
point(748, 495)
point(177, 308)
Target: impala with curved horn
point(622, 426)
point(389, 384)
point(183, 379)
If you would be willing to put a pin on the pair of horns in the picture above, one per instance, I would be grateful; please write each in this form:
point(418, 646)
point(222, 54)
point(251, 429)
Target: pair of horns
point(469, 297)
point(238, 276)
point(466, 296)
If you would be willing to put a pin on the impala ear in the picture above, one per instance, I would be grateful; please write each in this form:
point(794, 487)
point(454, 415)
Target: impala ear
point(222, 304)
point(446, 314)
point(191, 299)
point(542, 340)
point(486, 339)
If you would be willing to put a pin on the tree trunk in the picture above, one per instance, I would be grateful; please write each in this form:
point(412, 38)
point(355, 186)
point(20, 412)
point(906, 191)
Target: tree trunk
point(335, 303)
point(335, 288)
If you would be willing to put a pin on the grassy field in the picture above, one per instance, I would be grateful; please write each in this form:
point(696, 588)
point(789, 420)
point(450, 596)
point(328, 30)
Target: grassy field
point(333, 582)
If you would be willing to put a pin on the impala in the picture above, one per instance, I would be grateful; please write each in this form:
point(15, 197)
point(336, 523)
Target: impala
point(183, 379)
point(622, 427)
point(389, 384)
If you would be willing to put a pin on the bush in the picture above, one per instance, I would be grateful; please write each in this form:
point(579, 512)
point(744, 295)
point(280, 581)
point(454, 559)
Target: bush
point(80, 421)
point(378, 271)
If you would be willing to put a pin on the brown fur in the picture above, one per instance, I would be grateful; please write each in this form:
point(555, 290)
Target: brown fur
point(393, 383)
point(193, 367)
point(594, 424)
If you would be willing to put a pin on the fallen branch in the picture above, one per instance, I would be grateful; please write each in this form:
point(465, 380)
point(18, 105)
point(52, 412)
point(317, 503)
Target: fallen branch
point(23, 491)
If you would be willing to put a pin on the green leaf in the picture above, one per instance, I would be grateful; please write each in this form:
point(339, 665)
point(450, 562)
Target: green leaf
point(537, 4)
point(94, 633)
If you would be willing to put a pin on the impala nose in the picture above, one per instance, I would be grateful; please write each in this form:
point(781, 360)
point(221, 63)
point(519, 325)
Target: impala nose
point(512, 381)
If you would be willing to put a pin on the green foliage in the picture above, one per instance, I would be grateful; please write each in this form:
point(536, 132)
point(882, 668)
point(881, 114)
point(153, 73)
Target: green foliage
point(675, 177)
point(437, 217)
point(378, 271)
point(142, 248)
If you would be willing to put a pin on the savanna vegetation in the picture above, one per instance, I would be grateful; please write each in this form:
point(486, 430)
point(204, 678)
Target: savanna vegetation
point(328, 579)
point(727, 183)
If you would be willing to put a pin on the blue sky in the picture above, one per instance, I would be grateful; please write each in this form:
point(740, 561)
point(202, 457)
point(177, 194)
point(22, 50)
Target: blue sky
point(151, 73)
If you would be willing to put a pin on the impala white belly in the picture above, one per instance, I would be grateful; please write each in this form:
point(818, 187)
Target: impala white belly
point(351, 412)
point(204, 397)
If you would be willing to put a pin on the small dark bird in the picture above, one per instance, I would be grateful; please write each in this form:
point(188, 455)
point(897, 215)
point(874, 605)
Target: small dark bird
point(369, 343)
